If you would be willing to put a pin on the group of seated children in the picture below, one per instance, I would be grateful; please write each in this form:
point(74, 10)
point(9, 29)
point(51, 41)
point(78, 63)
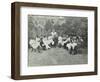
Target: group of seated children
point(69, 43)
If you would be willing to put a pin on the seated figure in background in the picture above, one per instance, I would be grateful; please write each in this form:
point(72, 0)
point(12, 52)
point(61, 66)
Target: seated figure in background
point(55, 37)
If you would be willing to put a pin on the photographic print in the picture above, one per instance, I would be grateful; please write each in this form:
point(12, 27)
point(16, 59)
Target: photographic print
point(57, 40)
point(53, 40)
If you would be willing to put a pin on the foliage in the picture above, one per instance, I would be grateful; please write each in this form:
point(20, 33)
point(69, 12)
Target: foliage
point(43, 25)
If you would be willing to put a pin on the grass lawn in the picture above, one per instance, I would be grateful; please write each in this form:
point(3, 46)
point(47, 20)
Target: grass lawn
point(56, 56)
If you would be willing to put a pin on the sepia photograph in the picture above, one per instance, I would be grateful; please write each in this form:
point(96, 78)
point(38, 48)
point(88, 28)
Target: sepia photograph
point(57, 40)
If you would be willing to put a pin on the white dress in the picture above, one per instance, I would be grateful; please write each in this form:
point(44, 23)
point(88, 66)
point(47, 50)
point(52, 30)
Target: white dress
point(46, 43)
point(60, 41)
point(34, 44)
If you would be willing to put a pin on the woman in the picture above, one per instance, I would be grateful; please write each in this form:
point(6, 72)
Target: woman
point(46, 42)
point(55, 37)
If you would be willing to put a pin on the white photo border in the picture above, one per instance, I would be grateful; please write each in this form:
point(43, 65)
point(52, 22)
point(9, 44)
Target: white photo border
point(25, 70)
